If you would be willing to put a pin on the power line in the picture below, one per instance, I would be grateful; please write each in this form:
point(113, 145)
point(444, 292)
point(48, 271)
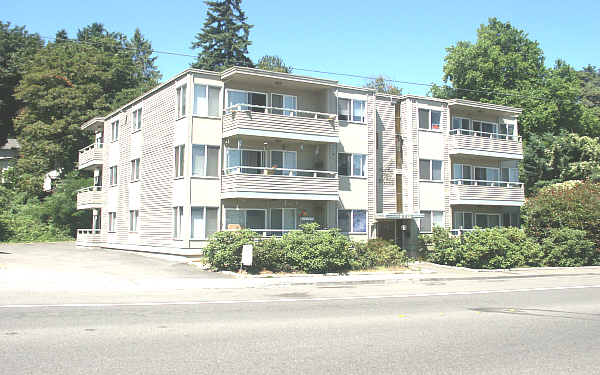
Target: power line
point(430, 85)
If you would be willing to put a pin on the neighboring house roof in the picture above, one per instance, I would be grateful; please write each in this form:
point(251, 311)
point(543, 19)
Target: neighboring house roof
point(11, 144)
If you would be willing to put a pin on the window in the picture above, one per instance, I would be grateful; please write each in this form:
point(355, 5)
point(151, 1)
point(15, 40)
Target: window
point(135, 170)
point(352, 221)
point(461, 174)
point(181, 101)
point(487, 220)
point(462, 220)
point(177, 220)
point(206, 100)
point(430, 170)
point(253, 101)
point(133, 220)
point(286, 160)
point(486, 176)
point(136, 123)
point(115, 130)
point(351, 106)
point(462, 125)
point(205, 160)
point(352, 164)
point(511, 219)
point(113, 175)
point(245, 158)
point(288, 103)
point(203, 222)
point(179, 152)
point(283, 219)
point(429, 119)
point(431, 219)
point(245, 218)
point(112, 222)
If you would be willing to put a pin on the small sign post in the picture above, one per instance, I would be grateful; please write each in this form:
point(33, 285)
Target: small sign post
point(246, 255)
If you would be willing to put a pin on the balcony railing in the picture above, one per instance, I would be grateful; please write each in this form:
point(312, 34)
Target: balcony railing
point(465, 181)
point(89, 197)
point(88, 237)
point(465, 191)
point(471, 142)
point(248, 119)
point(90, 155)
point(248, 182)
point(268, 233)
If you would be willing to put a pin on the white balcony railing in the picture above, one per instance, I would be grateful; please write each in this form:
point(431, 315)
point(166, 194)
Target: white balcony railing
point(478, 133)
point(88, 237)
point(464, 181)
point(90, 155)
point(290, 112)
point(89, 197)
point(280, 172)
point(466, 191)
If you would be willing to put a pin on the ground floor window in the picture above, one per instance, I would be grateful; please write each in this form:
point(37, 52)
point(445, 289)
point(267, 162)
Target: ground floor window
point(352, 221)
point(431, 219)
point(204, 222)
point(469, 220)
point(177, 220)
point(133, 220)
point(245, 218)
point(112, 222)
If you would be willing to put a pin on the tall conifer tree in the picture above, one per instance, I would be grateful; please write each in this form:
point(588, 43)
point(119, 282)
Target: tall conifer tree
point(224, 37)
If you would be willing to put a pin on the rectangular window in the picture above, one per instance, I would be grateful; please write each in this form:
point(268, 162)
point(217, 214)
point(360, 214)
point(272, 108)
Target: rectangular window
point(352, 221)
point(462, 220)
point(115, 130)
point(245, 158)
point(112, 222)
point(179, 158)
point(133, 220)
point(344, 109)
point(244, 100)
point(352, 164)
point(287, 103)
point(206, 100)
point(135, 170)
point(177, 220)
point(429, 119)
point(430, 170)
point(203, 222)
point(351, 110)
point(205, 160)
point(358, 110)
point(245, 218)
point(431, 219)
point(181, 93)
point(283, 219)
point(136, 123)
point(113, 175)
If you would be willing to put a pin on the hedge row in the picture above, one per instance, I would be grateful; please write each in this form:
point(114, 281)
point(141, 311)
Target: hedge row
point(307, 250)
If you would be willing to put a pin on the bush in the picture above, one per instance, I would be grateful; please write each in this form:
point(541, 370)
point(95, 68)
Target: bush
point(567, 247)
point(378, 253)
point(485, 248)
point(224, 250)
point(23, 228)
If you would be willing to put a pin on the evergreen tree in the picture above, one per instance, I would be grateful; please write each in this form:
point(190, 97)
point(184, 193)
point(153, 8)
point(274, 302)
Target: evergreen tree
point(143, 59)
point(17, 47)
point(224, 37)
point(274, 64)
point(381, 85)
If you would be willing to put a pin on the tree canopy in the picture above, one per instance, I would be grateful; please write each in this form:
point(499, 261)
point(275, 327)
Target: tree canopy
point(224, 38)
point(273, 63)
point(380, 84)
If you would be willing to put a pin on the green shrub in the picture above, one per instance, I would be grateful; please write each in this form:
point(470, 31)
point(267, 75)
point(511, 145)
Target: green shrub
point(270, 255)
point(440, 247)
point(377, 253)
point(23, 228)
point(224, 249)
point(567, 247)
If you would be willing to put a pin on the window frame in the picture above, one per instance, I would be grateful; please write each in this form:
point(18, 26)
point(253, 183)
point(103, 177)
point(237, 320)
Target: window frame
point(430, 123)
point(431, 220)
point(134, 216)
point(135, 170)
point(179, 161)
point(363, 120)
point(364, 167)
point(351, 212)
point(293, 112)
point(181, 105)
point(114, 135)
point(206, 148)
point(202, 235)
point(112, 222)
point(113, 175)
point(177, 222)
point(245, 210)
point(136, 120)
point(196, 111)
point(248, 104)
point(431, 171)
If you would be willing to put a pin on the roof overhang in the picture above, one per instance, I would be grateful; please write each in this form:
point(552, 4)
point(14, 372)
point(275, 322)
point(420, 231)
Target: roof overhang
point(93, 124)
point(473, 105)
point(243, 74)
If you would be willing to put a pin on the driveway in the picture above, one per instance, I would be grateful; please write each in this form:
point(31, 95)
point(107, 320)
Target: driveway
point(63, 266)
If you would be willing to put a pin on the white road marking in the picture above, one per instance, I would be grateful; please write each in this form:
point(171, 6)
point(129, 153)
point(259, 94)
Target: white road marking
point(314, 299)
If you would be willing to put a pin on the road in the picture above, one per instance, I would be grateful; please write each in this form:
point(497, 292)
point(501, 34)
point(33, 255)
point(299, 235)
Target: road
point(534, 326)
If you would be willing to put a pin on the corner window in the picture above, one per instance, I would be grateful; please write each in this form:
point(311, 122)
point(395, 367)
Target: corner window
point(430, 170)
point(133, 220)
point(431, 219)
point(358, 110)
point(136, 120)
point(429, 119)
point(115, 130)
point(205, 160)
point(181, 101)
point(177, 220)
point(203, 222)
point(352, 164)
point(179, 158)
point(113, 175)
point(135, 170)
point(112, 222)
point(206, 100)
point(352, 221)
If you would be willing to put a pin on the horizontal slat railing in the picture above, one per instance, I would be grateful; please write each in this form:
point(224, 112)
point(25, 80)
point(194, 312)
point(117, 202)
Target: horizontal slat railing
point(465, 181)
point(88, 236)
point(90, 155)
point(280, 171)
point(90, 196)
point(495, 191)
point(290, 112)
point(469, 141)
point(476, 133)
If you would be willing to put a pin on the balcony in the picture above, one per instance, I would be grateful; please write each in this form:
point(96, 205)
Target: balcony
point(470, 142)
point(88, 237)
point(90, 156)
point(89, 197)
point(279, 183)
point(286, 123)
point(478, 192)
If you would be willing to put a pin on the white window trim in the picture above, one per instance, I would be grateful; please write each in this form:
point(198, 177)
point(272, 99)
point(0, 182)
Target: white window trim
point(112, 222)
point(177, 162)
point(241, 161)
point(351, 113)
point(245, 226)
point(205, 176)
point(181, 104)
point(429, 129)
point(247, 92)
point(177, 222)
point(293, 112)
point(431, 220)
point(219, 111)
point(113, 176)
point(283, 217)
point(135, 215)
point(112, 131)
point(441, 180)
point(134, 127)
point(352, 219)
point(366, 168)
point(204, 210)
point(133, 177)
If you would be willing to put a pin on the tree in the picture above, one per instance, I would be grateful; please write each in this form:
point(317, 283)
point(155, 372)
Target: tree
point(143, 59)
point(224, 37)
point(17, 47)
point(274, 64)
point(381, 85)
point(67, 83)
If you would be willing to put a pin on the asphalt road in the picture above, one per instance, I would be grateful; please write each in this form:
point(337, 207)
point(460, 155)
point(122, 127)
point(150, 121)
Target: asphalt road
point(500, 330)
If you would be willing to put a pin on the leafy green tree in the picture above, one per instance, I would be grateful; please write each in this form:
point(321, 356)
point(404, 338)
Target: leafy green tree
point(381, 85)
point(590, 85)
point(17, 47)
point(274, 64)
point(224, 37)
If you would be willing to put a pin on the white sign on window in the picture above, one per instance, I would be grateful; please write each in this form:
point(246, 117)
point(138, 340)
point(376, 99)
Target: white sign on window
point(247, 255)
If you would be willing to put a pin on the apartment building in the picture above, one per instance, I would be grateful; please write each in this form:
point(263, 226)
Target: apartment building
point(247, 148)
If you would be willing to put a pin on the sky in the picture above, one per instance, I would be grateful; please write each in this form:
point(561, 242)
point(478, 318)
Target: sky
point(402, 40)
